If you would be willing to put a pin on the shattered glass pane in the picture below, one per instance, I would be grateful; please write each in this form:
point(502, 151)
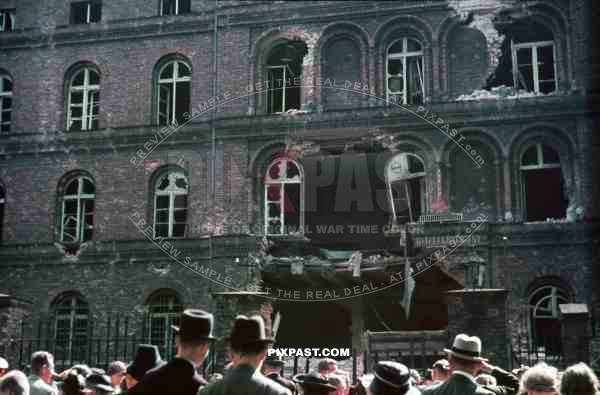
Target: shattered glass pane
point(292, 170)
point(164, 182)
point(181, 182)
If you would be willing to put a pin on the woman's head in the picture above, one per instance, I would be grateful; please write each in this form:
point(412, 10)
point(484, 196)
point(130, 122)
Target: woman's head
point(579, 379)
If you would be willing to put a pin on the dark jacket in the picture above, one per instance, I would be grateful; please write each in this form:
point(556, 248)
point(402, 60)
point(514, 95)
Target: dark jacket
point(506, 383)
point(178, 377)
point(457, 384)
point(287, 383)
point(244, 380)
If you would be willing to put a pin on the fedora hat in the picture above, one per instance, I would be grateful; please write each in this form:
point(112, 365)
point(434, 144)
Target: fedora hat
point(146, 357)
point(99, 381)
point(195, 324)
point(248, 331)
point(390, 378)
point(466, 347)
point(313, 384)
point(274, 360)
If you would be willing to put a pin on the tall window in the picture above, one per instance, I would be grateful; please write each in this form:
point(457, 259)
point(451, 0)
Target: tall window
point(84, 100)
point(71, 319)
point(170, 204)
point(405, 177)
point(404, 72)
point(542, 184)
point(174, 7)
point(173, 92)
point(6, 97)
point(7, 20)
point(2, 202)
point(77, 218)
point(544, 323)
point(164, 308)
point(533, 57)
point(284, 63)
point(284, 203)
point(84, 12)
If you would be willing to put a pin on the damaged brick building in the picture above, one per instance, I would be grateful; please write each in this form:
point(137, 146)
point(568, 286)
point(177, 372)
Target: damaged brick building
point(318, 149)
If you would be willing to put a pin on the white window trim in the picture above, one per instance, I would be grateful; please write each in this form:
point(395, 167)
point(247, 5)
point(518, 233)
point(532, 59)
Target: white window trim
point(161, 7)
point(87, 113)
point(282, 183)
point(404, 55)
point(533, 46)
point(173, 80)
point(555, 301)
point(80, 215)
point(270, 91)
point(171, 193)
point(11, 15)
point(71, 317)
point(389, 182)
point(3, 95)
point(540, 159)
point(167, 317)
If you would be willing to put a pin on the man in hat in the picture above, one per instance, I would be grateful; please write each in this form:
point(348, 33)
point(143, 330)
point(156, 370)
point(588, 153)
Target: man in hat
point(99, 384)
point(314, 384)
point(465, 362)
point(272, 370)
point(389, 378)
point(179, 376)
point(248, 344)
point(146, 358)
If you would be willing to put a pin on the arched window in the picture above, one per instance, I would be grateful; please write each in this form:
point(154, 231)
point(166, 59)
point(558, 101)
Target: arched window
point(6, 104)
point(77, 209)
point(404, 72)
point(543, 189)
point(170, 204)
point(164, 308)
point(84, 99)
point(284, 202)
point(544, 323)
point(71, 325)
point(533, 57)
point(405, 178)
point(173, 92)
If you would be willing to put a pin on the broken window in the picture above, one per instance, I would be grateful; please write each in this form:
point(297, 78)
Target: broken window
point(71, 319)
point(174, 7)
point(284, 207)
point(170, 205)
point(542, 184)
point(164, 308)
point(284, 64)
point(84, 100)
point(534, 67)
point(7, 20)
point(6, 87)
point(404, 72)
point(173, 92)
point(84, 12)
point(405, 177)
point(544, 322)
point(77, 221)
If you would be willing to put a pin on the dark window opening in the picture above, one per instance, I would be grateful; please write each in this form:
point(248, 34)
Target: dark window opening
point(175, 7)
point(7, 20)
point(545, 327)
point(84, 12)
point(284, 64)
point(2, 202)
point(543, 185)
point(173, 95)
point(6, 101)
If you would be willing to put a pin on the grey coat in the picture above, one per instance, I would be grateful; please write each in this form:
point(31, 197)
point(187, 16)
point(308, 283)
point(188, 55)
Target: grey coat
point(457, 385)
point(38, 387)
point(244, 380)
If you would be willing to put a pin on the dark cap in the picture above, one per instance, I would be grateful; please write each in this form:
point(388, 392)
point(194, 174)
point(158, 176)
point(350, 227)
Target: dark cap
point(390, 378)
point(313, 384)
point(146, 357)
point(248, 331)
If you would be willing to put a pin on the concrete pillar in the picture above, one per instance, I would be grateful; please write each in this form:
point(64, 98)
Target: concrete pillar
point(12, 312)
point(576, 332)
point(482, 313)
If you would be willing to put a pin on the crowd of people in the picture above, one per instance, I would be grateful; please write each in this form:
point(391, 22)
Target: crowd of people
point(251, 370)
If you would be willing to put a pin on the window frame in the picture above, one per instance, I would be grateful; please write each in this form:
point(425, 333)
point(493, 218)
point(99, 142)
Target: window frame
point(403, 179)
point(404, 55)
point(282, 194)
point(88, 10)
point(172, 194)
point(557, 294)
point(77, 303)
point(161, 4)
point(272, 91)
point(3, 95)
point(80, 197)
point(533, 47)
point(168, 318)
point(87, 120)
point(172, 80)
point(11, 13)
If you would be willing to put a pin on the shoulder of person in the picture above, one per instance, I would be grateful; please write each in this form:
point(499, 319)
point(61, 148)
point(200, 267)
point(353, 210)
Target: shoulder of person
point(273, 386)
point(487, 390)
point(212, 388)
